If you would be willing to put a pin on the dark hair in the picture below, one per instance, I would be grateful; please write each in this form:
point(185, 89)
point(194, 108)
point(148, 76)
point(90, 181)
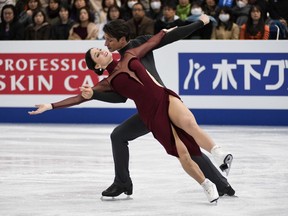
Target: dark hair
point(11, 6)
point(170, 5)
point(229, 24)
point(117, 29)
point(66, 7)
point(103, 4)
point(39, 10)
point(91, 64)
point(260, 27)
point(113, 7)
point(138, 3)
point(90, 15)
point(56, 1)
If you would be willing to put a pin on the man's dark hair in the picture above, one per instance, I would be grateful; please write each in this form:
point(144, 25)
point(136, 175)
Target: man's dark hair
point(91, 64)
point(117, 29)
point(170, 5)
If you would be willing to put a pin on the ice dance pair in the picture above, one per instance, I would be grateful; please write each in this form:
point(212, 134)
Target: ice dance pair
point(126, 185)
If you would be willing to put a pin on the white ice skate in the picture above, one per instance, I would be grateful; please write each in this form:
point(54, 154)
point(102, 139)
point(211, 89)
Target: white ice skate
point(210, 191)
point(223, 159)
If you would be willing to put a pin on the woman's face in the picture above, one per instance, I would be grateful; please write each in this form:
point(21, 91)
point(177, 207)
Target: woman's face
point(211, 3)
point(109, 3)
point(53, 5)
point(39, 18)
point(83, 16)
point(102, 58)
point(8, 15)
point(32, 4)
point(80, 3)
point(114, 13)
point(255, 14)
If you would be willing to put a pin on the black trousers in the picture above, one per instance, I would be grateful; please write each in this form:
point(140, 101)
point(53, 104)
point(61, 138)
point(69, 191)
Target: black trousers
point(133, 128)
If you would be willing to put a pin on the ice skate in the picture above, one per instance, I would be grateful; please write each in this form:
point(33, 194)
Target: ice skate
point(210, 190)
point(228, 190)
point(223, 159)
point(112, 193)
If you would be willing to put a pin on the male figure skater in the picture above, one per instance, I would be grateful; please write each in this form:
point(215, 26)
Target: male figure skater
point(117, 39)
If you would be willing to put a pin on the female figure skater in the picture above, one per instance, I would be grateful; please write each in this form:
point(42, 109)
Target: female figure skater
point(170, 121)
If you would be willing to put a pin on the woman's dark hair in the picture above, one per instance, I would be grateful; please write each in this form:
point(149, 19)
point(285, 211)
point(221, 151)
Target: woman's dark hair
point(38, 10)
point(14, 12)
point(113, 7)
point(91, 18)
point(91, 64)
point(229, 24)
point(251, 29)
point(117, 29)
point(103, 4)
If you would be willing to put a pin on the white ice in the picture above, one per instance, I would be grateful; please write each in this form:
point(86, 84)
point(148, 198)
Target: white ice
point(59, 170)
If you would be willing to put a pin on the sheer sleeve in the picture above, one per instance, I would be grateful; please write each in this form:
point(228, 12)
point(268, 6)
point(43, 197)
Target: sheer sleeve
point(68, 102)
point(102, 86)
point(103, 91)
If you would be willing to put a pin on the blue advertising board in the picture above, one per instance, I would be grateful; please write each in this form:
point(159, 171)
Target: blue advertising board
point(233, 74)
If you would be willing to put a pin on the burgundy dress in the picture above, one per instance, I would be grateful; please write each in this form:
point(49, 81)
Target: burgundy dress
point(129, 78)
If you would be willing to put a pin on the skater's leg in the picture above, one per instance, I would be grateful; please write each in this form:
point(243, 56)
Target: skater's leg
point(121, 135)
point(192, 169)
point(213, 174)
point(183, 118)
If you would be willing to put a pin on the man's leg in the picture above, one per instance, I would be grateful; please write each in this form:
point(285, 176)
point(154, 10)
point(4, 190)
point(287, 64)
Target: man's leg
point(213, 174)
point(126, 131)
point(130, 130)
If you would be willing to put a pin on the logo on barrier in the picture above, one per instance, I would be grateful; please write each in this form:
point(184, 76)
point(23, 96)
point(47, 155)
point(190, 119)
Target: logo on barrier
point(233, 74)
point(45, 73)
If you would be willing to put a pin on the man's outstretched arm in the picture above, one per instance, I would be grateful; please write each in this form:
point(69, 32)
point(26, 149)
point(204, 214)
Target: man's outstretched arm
point(183, 31)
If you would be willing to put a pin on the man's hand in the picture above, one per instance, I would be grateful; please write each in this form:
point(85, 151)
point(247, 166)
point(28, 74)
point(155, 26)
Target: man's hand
point(204, 18)
point(87, 92)
point(41, 108)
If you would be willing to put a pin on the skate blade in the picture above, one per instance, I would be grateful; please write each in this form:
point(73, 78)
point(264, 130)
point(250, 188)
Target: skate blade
point(215, 202)
point(229, 197)
point(227, 164)
point(105, 198)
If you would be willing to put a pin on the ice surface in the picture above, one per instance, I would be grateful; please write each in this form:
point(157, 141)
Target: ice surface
point(59, 170)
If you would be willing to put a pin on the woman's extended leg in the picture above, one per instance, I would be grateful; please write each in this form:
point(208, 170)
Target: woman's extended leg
point(183, 118)
point(192, 169)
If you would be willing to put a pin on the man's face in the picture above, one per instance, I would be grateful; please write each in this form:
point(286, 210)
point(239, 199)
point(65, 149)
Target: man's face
point(113, 44)
point(169, 13)
point(138, 12)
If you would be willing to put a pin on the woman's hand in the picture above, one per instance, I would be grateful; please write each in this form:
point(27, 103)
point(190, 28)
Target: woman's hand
point(87, 92)
point(41, 108)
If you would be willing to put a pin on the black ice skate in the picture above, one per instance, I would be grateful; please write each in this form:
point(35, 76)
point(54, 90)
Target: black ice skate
point(115, 190)
point(223, 159)
point(228, 190)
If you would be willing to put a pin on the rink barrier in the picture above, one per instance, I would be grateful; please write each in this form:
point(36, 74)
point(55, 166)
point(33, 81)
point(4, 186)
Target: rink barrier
point(222, 82)
point(116, 116)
